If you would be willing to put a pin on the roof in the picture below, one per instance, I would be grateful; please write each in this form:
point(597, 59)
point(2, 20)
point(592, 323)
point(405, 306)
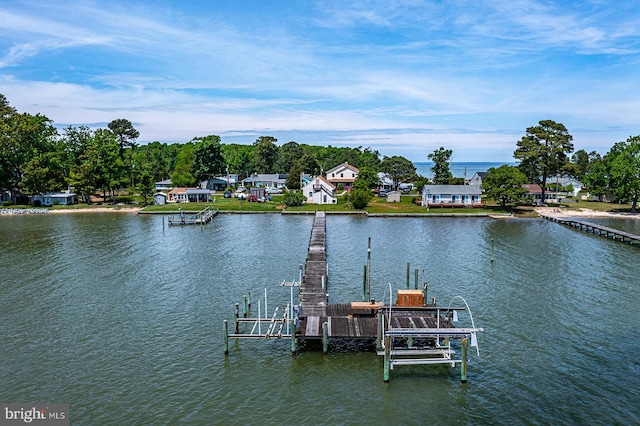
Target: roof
point(344, 165)
point(453, 189)
point(533, 188)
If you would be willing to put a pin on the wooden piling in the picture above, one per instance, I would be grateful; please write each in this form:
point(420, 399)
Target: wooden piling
point(415, 272)
point(380, 331)
point(225, 333)
point(364, 284)
point(387, 357)
point(408, 274)
point(492, 243)
point(244, 306)
point(325, 337)
point(237, 315)
point(463, 365)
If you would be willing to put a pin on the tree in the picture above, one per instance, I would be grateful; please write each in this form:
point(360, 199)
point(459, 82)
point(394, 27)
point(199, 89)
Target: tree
point(265, 154)
point(360, 197)
point(208, 160)
point(624, 170)
point(596, 179)
point(441, 173)
point(183, 172)
point(293, 199)
point(399, 169)
point(290, 153)
point(543, 151)
point(579, 165)
point(124, 133)
point(239, 158)
point(504, 185)
point(366, 179)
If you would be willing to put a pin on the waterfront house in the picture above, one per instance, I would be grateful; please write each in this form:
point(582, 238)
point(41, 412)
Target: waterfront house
point(476, 179)
point(451, 196)
point(164, 185)
point(344, 174)
point(186, 195)
point(53, 198)
point(385, 183)
point(320, 191)
point(266, 180)
point(535, 194)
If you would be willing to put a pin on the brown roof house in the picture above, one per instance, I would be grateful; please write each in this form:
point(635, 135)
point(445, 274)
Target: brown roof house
point(344, 174)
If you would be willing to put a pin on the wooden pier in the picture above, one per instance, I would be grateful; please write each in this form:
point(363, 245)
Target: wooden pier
point(191, 218)
point(600, 230)
point(408, 333)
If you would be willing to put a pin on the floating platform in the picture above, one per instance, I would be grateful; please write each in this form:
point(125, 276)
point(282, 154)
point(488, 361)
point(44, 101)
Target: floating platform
point(190, 218)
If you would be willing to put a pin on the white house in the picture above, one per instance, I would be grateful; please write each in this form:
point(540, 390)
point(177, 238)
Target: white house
point(51, 198)
point(476, 179)
point(266, 180)
point(451, 196)
point(344, 174)
point(164, 185)
point(320, 191)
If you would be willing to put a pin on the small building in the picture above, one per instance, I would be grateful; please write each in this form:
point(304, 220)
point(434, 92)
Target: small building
point(393, 197)
point(259, 193)
point(160, 198)
point(385, 183)
point(451, 196)
point(320, 191)
point(53, 198)
point(535, 194)
point(344, 174)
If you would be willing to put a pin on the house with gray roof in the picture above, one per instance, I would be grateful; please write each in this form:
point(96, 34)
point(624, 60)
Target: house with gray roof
point(451, 196)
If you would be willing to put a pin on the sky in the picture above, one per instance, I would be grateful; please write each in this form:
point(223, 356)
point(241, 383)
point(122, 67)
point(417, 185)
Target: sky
point(401, 77)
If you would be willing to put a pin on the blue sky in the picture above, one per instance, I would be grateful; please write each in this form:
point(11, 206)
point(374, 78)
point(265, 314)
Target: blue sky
point(401, 77)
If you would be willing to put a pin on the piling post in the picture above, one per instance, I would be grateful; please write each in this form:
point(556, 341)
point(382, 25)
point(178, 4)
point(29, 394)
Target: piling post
point(364, 284)
point(325, 337)
point(225, 332)
point(369, 272)
point(416, 279)
point(463, 367)
point(249, 301)
point(380, 330)
point(408, 274)
point(387, 357)
point(492, 244)
point(237, 315)
point(244, 306)
point(294, 343)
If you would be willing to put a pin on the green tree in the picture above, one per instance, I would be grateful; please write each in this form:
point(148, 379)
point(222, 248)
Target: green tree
point(266, 154)
point(441, 173)
point(624, 170)
point(294, 176)
point(542, 152)
point(596, 179)
point(504, 185)
point(399, 169)
point(146, 186)
point(239, 158)
point(579, 165)
point(290, 154)
point(360, 197)
point(293, 199)
point(124, 133)
point(182, 175)
point(370, 159)
point(366, 179)
point(208, 160)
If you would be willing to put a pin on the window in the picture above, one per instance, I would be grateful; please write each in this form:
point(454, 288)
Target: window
point(341, 174)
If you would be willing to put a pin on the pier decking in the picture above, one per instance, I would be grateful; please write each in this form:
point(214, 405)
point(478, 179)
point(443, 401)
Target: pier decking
point(191, 218)
point(600, 230)
point(413, 334)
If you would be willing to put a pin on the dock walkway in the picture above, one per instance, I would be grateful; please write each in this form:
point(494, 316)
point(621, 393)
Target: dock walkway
point(601, 230)
point(191, 218)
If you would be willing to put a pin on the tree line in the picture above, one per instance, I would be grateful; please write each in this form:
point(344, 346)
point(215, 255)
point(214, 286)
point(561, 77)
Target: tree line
point(35, 158)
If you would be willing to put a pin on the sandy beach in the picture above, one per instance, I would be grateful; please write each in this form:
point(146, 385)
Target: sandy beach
point(564, 212)
point(34, 211)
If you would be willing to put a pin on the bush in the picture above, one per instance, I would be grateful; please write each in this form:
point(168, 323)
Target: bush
point(360, 198)
point(293, 199)
point(7, 203)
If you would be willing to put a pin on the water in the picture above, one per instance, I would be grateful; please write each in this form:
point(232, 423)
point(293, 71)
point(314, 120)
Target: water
point(123, 320)
point(459, 169)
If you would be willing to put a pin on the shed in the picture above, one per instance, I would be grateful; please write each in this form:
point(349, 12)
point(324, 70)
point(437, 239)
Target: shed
point(393, 197)
point(159, 198)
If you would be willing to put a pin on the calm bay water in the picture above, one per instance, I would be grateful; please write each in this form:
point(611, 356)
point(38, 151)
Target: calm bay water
point(122, 319)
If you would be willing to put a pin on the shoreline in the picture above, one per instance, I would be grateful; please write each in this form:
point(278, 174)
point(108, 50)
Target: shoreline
point(584, 213)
